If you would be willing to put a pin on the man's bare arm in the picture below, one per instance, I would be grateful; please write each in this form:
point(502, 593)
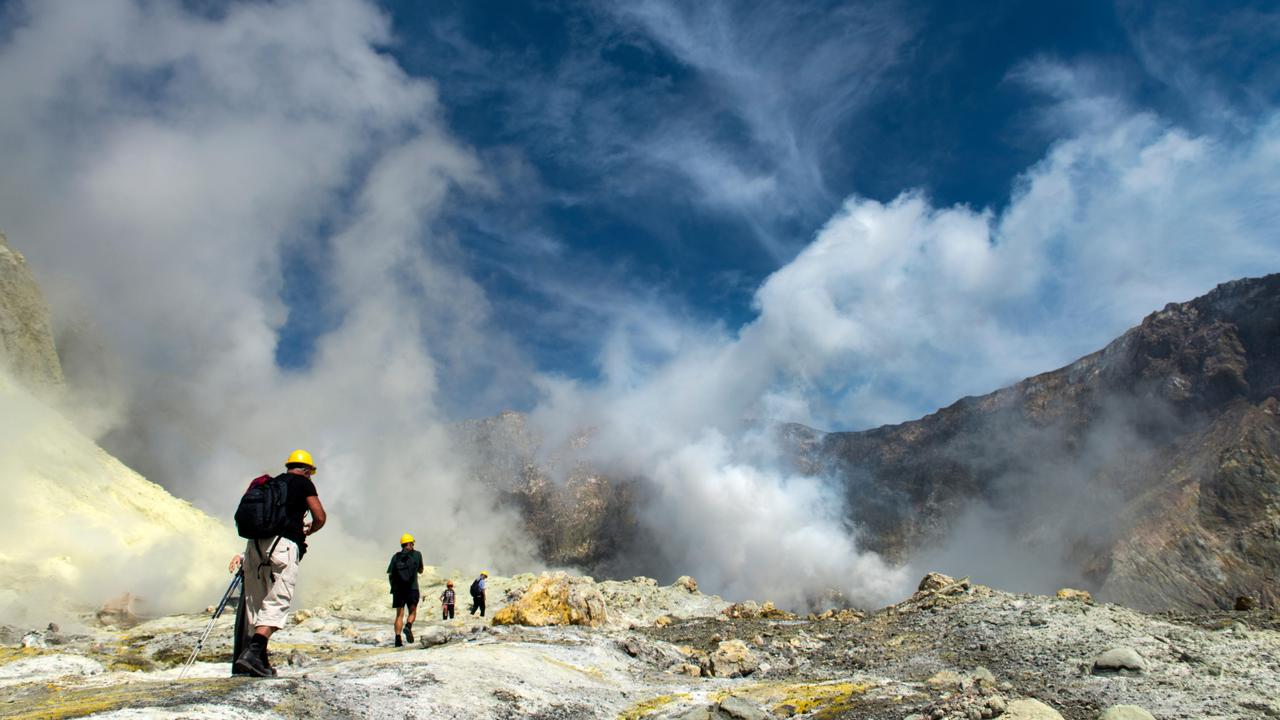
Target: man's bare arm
point(317, 514)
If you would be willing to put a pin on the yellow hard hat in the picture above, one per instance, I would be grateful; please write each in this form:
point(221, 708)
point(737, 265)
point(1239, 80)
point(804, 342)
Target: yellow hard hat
point(405, 539)
point(300, 457)
point(484, 573)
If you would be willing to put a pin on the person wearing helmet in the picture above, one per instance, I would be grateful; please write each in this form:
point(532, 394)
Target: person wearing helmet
point(478, 593)
point(403, 572)
point(447, 600)
point(271, 565)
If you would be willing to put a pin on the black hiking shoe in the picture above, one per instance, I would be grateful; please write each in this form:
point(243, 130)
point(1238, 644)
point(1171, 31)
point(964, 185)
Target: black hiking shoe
point(266, 663)
point(251, 663)
point(398, 642)
point(408, 634)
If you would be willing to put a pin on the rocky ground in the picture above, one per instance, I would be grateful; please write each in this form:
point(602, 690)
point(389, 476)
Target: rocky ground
point(640, 650)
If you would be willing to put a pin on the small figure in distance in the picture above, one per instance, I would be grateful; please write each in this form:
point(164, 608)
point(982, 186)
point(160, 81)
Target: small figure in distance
point(403, 572)
point(478, 593)
point(271, 565)
point(447, 600)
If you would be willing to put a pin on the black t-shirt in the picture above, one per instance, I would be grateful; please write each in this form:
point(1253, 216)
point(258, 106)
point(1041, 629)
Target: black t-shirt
point(300, 488)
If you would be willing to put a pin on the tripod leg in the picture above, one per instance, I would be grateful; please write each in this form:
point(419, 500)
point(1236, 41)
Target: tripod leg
point(216, 613)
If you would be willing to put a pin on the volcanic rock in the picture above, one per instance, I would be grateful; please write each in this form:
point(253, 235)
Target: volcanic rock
point(1073, 594)
point(556, 599)
point(1125, 712)
point(1118, 659)
point(26, 340)
point(1152, 465)
point(120, 611)
point(733, 659)
point(1030, 710)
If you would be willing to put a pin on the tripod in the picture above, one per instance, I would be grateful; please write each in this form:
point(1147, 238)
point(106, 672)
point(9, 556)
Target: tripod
point(235, 581)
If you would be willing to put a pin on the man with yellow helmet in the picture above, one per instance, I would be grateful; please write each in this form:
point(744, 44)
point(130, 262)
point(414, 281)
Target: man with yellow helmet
point(270, 561)
point(403, 572)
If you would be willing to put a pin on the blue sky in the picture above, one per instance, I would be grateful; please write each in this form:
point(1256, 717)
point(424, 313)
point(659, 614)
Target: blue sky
point(691, 150)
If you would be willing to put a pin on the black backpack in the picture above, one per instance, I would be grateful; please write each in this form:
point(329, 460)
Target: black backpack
point(261, 513)
point(404, 568)
point(475, 588)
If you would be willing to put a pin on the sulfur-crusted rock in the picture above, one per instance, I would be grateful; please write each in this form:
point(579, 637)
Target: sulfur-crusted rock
point(556, 599)
point(1073, 594)
point(934, 581)
point(732, 659)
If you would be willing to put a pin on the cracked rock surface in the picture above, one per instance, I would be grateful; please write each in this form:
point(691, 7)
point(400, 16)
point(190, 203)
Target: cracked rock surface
point(957, 651)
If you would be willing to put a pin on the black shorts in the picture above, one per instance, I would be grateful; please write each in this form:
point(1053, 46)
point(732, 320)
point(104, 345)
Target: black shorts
point(400, 598)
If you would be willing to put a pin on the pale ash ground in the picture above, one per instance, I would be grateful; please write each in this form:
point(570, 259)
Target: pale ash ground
point(966, 651)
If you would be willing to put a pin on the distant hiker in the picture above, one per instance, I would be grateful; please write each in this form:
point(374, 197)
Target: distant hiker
point(478, 593)
point(403, 572)
point(447, 599)
point(272, 516)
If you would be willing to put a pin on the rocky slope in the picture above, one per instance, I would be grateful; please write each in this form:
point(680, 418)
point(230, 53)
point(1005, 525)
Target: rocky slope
point(26, 341)
point(1148, 472)
point(77, 527)
point(1154, 463)
point(953, 650)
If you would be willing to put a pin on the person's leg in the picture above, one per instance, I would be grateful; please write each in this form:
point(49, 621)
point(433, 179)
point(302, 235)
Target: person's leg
point(280, 576)
point(413, 615)
point(399, 623)
point(482, 599)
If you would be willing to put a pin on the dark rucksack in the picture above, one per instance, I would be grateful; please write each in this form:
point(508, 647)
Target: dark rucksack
point(261, 513)
point(404, 568)
point(475, 588)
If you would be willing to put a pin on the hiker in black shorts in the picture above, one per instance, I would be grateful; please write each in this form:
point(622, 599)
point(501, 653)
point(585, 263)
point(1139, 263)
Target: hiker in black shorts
point(403, 572)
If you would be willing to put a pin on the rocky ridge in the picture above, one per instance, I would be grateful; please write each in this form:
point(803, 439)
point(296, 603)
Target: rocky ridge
point(1153, 464)
point(1149, 471)
point(26, 341)
point(953, 650)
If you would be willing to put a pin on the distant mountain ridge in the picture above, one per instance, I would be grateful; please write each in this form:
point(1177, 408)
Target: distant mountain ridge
point(1155, 461)
point(1150, 469)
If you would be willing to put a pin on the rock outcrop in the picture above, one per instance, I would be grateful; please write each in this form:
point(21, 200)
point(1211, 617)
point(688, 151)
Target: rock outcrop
point(26, 341)
point(556, 599)
point(579, 515)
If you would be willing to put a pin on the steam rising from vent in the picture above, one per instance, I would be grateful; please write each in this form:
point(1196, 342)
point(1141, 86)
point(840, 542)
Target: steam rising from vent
point(205, 173)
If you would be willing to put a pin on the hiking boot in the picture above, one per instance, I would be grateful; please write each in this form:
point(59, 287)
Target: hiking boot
point(251, 663)
point(408, 634)
point(266, 663)
point(398, 642)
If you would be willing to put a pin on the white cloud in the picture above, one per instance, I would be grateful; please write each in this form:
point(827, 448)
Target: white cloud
point(164, 168)
point(896, 308)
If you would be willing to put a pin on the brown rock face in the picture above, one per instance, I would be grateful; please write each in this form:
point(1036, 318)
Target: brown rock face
point(579, 516)
point(1153, 463)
